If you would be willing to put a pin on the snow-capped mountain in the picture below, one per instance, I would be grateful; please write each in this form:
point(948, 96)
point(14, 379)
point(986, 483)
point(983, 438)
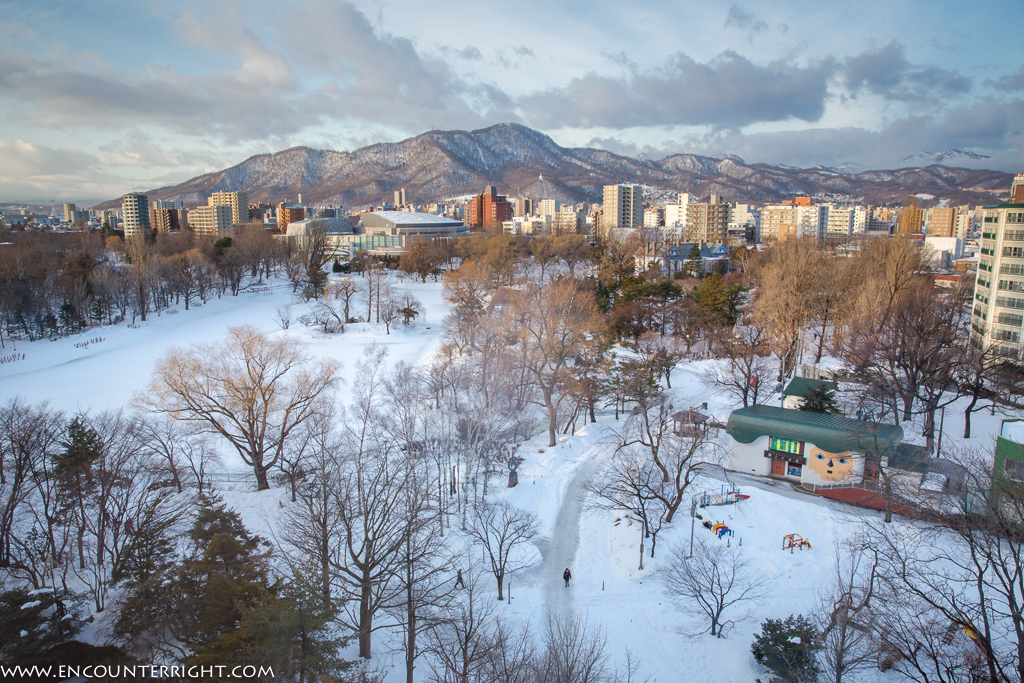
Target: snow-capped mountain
point(942, 157)
point(523, 162)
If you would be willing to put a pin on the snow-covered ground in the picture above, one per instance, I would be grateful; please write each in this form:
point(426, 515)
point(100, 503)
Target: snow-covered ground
point(607, 586)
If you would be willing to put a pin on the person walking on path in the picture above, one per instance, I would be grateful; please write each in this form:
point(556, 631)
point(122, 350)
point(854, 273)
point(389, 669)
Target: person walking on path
point(458, 580)
point(566, 575)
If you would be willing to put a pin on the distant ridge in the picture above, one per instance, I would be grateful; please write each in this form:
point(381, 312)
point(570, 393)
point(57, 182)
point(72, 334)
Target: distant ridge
point(941, 157)
point(442, 164)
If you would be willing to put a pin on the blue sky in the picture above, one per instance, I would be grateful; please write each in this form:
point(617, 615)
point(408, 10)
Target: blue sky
point(100, 98)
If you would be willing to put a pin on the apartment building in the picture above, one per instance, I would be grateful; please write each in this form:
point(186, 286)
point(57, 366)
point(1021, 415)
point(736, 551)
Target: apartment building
point(135, 214)
point(998, 315)
point(238, 202)
point(623, 207)
point(707, 222)
point(212, 220)
point(778, 222)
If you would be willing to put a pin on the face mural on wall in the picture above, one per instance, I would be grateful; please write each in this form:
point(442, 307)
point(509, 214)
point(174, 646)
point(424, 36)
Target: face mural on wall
point(830, 466)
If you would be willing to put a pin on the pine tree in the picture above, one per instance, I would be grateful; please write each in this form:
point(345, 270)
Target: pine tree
point(787, 648)
point(32, 623)
point(821, 398)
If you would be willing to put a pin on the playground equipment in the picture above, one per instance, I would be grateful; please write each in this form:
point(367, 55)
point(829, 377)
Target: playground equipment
point(791, 541)
point(727, 496)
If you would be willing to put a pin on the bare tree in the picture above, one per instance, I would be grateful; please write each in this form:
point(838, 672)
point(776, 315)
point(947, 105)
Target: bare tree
point(185, 454)
point(557, 321)
point(512, 657)
point(502, 529)
point(424, 575)
point(343, 291)
point(748, 371)
point(312, 525)
point(963, 574)
point(283, 317)
point(462, 644)
point(846, 617)
point(29, 435)
point(716, 579)
point(250, 389)
point(574, 651)
point(628, 484)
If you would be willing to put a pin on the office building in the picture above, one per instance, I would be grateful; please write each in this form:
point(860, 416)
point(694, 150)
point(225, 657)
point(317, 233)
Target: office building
point(778, 222)
point(135, 214)
point(548, 207)
point(910, 220)
point(567, 222)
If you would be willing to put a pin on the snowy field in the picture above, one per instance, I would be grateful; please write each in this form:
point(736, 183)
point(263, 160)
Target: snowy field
point(600, 546)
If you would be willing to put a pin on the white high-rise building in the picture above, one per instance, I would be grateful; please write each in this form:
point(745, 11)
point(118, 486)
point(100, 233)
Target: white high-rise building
point(811, 221)
point(839, 222)
point(998, 316)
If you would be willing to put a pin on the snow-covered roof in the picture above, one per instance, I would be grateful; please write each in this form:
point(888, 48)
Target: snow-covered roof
point(411, 217)
point(1013, 430)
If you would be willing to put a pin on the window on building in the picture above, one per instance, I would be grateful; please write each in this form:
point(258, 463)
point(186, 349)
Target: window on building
point(1013, 469)
point(786, 445)
point(1013, 252)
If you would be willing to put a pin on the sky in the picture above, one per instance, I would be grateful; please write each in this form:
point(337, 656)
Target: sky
point(102, 98)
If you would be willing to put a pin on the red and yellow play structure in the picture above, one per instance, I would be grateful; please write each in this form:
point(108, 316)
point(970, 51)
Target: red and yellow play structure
point(790, 541)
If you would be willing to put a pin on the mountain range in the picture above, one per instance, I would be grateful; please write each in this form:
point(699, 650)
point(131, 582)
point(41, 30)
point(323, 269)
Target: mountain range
point(522, 162)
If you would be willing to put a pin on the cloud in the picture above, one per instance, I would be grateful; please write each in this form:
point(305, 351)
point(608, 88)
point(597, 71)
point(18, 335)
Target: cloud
point(29, 171)
point(742, 18)
point(730, 91)
point(986, 126)
point(327, 63)
point(886, 72)
point(1012, 82)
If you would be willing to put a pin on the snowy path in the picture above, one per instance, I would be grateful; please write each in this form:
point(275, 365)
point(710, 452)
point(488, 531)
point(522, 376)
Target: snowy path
point(561, 549)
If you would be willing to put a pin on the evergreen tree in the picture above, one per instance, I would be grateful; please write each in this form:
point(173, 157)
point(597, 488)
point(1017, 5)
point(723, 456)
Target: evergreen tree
point(32, 623)
point(821, 398)
point(82, 447)
point(693, 262)
point(787, 648)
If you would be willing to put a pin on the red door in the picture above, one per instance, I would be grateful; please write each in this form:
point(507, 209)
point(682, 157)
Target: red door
point(778, 467)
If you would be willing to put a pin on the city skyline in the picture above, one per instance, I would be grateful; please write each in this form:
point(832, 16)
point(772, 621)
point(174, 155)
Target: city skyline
point(97, 101)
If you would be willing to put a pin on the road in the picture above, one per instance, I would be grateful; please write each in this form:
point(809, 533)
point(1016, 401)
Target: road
point(561, 549)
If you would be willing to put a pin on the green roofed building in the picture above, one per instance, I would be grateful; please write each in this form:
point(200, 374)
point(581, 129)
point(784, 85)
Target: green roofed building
point(811, 448)
point(799, 387)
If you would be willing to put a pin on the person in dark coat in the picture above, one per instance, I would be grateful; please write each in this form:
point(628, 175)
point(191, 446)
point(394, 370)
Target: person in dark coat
point(567, 575)
point(458, 580)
